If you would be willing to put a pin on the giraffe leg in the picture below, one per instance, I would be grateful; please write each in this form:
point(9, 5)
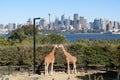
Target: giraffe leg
point(51, 69)
point(46, 69)
point(68, 70)
point(75, 68)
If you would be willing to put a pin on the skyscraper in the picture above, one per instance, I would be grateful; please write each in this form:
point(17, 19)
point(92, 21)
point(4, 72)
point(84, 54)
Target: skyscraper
point(75, 22)
point(83, 22)
point(109, 27)
point(11, 26)
point(91, 25)
point(63, 20)
point(29, 22)
point(56, 22)
point(102, 28)
point(1, 26)
point(96, 24)
point(67, 23)
point(116, 25)
point(43, 23)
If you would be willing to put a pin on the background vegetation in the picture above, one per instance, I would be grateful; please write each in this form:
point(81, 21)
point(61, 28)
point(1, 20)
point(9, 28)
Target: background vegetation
point(17, 49)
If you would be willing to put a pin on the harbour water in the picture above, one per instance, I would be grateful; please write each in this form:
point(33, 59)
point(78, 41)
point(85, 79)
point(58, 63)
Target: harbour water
point(74, 37)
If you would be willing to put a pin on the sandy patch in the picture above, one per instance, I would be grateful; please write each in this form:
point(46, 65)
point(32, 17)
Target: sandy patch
point(55, 76)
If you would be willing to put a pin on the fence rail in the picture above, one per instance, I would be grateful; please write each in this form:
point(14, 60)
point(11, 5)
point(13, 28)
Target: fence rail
point(57, 67)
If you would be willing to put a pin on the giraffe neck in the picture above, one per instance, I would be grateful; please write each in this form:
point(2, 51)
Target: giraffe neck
point(64, 51)
point(53, 50)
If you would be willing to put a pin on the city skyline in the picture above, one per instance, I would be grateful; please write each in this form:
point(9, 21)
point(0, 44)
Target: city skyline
point(63, 24)
point(19, 11)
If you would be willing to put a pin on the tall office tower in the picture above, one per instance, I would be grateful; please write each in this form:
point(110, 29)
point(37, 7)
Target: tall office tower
point(67, 23)
point(63, 20)
point(71, 22)
point(116, 25)
point(79, 27)
point(109, 27)
point(96, 24)
point(56, 22)
point(43, 24)
point(88, 26)
point(76, 16)
point(82, 21)
point(19, 25)
point(51, 26)
point(103, 24)
point(75, 24)
point(29, 22)
point(106, 23)
point(91, 25)
point(85, 24)
point(11, 26)
point(6, 27)
point(1, 26)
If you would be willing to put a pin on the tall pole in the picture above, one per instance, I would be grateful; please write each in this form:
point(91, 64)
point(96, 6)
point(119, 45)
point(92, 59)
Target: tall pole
point(49, 20)
point(34, 43)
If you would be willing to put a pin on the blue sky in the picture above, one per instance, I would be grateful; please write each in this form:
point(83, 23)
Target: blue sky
point(19, 11)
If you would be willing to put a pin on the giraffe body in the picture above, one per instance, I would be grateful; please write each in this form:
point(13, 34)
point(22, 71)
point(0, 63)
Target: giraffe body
point(49, 59)
point(69, 58)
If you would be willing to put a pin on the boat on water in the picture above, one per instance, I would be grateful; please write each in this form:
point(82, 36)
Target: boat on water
point(114, 33)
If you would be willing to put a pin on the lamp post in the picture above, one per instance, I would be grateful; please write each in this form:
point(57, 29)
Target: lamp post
point(34, 43)
point(49, 19)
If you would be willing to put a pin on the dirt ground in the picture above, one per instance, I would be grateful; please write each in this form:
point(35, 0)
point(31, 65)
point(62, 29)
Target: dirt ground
point(55, 76)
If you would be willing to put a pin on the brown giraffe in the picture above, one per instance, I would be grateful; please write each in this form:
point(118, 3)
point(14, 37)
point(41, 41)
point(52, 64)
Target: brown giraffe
point(49, 59)
point(69, 58)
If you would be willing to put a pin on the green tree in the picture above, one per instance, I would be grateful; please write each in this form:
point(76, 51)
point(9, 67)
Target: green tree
point(22, 33)
point(3, 41)
point(115, 58)
point(17, 34)
point(54, 39)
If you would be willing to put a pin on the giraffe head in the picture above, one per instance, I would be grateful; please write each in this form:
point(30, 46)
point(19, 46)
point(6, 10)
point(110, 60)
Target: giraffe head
point(55, 45)
point(61, 45)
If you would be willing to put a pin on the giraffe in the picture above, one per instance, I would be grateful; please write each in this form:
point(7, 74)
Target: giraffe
point(69, 58)
point(49, 59)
